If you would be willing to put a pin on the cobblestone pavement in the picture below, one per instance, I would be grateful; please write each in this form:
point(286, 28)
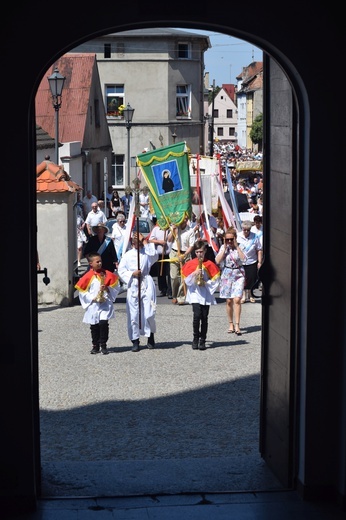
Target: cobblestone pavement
point(168, 420)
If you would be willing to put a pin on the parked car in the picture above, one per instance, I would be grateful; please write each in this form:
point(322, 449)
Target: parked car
point(145, 225)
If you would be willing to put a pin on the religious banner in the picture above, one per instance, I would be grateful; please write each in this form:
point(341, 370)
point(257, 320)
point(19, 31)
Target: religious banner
point(166, 172)
point(203, 171)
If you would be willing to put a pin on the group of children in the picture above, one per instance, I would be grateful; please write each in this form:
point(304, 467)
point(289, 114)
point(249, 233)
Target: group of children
point(98, 289)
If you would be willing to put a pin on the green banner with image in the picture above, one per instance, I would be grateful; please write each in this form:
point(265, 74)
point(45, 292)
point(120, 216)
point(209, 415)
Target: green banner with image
point(166, 172)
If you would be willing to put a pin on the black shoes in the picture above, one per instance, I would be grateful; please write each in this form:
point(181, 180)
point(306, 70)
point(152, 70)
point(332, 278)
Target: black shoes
point(195, 344)
point(104, 350)
point(96, 349)
point(201, 345)
point(135, 347)
point(151, 341)
point(162, 293)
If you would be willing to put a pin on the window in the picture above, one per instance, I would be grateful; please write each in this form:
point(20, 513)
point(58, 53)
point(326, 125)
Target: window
point(118, 170)
point(114, 100)
point(183, 51)
point(216, 113)
point(107, 50)
point(220, 131)
point(231, 131)
point(183, 101)
point(229, 113)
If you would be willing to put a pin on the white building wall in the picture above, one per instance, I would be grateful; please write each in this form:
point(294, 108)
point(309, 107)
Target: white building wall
point(57, 247)
point(222, 103)
point(72, 160)
point(241, 104)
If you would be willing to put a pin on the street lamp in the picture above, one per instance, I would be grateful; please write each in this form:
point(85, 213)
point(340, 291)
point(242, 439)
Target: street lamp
point(56, 84)
point(128, 115)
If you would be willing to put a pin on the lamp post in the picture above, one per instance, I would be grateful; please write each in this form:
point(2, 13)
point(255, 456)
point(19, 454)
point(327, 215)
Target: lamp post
point(128, 115)
point(56, 84)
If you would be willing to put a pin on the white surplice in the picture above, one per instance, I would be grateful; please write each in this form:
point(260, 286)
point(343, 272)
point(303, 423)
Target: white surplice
point(129, 263)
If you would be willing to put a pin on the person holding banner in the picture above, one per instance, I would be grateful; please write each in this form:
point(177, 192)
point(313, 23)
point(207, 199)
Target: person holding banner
point(158, 237)
point(183, 240)
point(134, 269)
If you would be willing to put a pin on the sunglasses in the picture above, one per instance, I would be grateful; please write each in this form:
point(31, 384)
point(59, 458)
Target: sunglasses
point(229, 239)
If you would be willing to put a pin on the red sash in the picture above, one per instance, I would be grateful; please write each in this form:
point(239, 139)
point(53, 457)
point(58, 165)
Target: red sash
point(111, 279)
point(191, 266)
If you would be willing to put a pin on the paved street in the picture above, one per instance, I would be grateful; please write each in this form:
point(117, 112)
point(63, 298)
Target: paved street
point(168, 420)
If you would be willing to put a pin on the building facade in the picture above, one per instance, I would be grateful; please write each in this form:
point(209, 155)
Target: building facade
point(249, 101)
point(223, 113)
point(159, 72)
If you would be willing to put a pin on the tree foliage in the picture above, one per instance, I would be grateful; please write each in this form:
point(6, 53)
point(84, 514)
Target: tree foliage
point(256, 132)
point(211, 92)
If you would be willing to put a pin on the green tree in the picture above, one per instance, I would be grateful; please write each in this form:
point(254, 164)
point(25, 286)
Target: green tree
point(256, 132)
point(210, 94)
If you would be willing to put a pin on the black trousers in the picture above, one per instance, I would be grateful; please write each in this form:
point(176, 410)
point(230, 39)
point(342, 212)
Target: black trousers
point(200, 321)
point(250, 276)
point(164, 279)
point(100, 332)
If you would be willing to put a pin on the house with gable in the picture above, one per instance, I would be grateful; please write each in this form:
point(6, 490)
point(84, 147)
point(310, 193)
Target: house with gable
point(224, 113)
point(83, 128)
point(249, 101)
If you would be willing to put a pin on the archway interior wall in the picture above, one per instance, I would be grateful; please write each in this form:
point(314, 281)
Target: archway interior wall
point(19, 411)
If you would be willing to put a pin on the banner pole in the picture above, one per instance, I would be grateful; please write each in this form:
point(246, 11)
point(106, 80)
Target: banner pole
point(136, 182)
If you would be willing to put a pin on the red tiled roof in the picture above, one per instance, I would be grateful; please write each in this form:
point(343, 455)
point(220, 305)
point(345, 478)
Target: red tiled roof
point(78, 69)
point(229, 89)
point(251, 70)
point(52, 178)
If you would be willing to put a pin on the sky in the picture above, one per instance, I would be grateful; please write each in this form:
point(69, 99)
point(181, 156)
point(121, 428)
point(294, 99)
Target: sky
point(227, 56)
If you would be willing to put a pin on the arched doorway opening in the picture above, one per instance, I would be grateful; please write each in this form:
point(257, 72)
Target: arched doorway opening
point(283, 463)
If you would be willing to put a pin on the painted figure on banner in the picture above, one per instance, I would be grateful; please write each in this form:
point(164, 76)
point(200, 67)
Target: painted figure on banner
point(167, 183)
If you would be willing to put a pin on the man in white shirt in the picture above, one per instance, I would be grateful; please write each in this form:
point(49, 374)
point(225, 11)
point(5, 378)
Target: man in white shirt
point(88, 201)
point(94, 217)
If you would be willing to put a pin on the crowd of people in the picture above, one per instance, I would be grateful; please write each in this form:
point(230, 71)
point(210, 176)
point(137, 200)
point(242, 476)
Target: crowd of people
point(190, 264)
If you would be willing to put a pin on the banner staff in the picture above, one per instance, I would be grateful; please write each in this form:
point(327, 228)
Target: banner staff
point(136, 182)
